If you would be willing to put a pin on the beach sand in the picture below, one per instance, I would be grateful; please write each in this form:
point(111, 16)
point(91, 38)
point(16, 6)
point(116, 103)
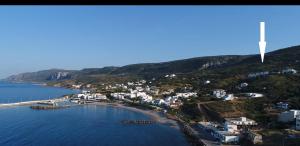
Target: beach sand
point(156, 116)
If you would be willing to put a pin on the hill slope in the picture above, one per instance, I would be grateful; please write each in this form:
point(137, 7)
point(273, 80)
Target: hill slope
point(222, 65)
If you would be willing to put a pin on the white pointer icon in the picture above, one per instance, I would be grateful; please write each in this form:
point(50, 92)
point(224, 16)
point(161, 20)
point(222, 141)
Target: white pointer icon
point(262, 43)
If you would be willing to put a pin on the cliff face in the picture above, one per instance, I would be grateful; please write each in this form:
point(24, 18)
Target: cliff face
point(41, 76)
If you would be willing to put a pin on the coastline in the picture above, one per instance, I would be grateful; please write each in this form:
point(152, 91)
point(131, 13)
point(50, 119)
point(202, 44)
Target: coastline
point(155, 115)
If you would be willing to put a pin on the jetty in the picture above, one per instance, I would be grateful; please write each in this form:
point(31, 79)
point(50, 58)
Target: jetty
point(33, 102)
point(140, 122)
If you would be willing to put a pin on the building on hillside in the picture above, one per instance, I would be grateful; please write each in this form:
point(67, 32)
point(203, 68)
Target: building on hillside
point(99, 96)
point(241, 121)
point(219, 93)
point(186, 95)
point(220, 134)
point(289, 71)
point(288, 116)
point(282, 105)
point(229, 97)
point(258, 74)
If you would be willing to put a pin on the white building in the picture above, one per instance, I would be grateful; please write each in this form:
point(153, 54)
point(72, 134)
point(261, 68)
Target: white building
point(119, 96)
point(186, 95)
point(288, 116)
point(241, 121)
point(289, 71)
point(228, 137)
point(243, 85)
point(225, 136)
point(219, 93)
point(231, 127)
point(99, 96)
point(229, 97)
point(76, 86)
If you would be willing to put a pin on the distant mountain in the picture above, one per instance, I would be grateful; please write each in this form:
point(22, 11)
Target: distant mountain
point(228, 64)
point(42, 76)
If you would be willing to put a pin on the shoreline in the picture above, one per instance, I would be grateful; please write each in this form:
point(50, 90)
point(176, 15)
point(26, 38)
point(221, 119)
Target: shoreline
point(154, 115)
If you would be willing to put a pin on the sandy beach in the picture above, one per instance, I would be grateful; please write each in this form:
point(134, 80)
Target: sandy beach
point(156, 116)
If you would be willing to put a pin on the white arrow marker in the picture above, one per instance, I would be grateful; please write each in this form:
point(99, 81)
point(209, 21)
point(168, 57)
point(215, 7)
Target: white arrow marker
point(262, 43)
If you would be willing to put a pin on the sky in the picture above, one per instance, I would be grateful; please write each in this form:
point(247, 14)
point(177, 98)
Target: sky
point(35, 38)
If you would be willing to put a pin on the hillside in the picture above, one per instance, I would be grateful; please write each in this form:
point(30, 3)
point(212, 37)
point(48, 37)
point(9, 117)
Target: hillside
point(201, 67)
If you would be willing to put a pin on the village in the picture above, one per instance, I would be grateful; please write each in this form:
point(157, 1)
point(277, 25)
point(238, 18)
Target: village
point(230, 131)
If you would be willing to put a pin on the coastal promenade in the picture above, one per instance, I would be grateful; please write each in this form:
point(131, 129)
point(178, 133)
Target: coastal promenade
point(32, 102)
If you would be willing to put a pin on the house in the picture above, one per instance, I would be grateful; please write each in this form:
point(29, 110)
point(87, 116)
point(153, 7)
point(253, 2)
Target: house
point(130, 83)
point(99, 96)
point(158, 102)
point(231, 127)
point(288, 116)
point(282, 105)
point(258, 74)
point(289, 71)
point(76, 86)
point(241, 121)
point(219, 93)
point(243, 85)
point(143, 81)
point(146, 99)
point(224, 136)
point(119, 96)
point(229, 97)
point(186, 95)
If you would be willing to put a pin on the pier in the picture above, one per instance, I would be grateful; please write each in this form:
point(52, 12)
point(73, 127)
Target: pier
point(32, 102)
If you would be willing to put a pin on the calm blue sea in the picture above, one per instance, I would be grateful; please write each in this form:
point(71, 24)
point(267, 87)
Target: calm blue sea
point(82, 125)
point(17, 92)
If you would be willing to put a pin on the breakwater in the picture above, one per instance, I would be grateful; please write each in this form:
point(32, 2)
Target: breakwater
point(32, 102)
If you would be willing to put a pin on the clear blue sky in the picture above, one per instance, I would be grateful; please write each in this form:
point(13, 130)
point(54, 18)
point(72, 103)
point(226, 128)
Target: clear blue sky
point(74, 37)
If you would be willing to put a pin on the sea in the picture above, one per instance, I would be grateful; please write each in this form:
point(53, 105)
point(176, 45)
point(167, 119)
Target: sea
point(82, 125)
